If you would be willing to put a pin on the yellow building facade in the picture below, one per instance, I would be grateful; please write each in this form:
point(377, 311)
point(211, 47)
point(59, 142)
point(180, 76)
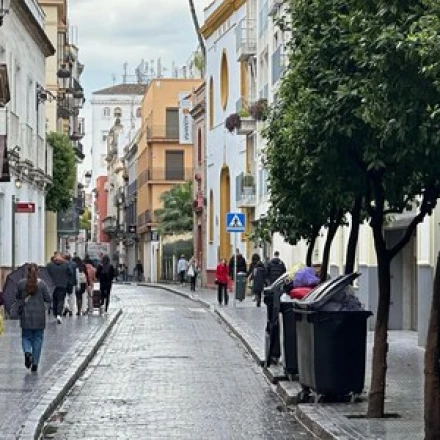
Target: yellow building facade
point(163, 161)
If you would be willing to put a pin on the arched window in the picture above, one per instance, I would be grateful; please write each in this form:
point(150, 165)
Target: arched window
point(224, 81)
point(106, 112)
point(211, 216)
point(117, 112)
point(211, 103)
point(138, 112)
point(199, 147)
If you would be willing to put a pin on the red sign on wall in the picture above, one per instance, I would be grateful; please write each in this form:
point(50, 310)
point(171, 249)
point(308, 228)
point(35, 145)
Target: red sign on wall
point(25, 207)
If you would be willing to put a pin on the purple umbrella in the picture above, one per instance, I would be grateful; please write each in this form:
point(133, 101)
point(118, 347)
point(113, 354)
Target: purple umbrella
point(12, 280)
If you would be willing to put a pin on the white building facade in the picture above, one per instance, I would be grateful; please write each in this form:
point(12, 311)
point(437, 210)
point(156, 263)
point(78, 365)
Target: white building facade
point(24, 47)
point(122, 102)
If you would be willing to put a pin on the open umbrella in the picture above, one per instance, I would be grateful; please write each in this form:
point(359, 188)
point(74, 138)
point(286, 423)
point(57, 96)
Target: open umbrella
point(12, 280)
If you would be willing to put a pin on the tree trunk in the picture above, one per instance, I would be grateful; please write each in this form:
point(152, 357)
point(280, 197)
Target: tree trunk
point(350, 257)
point(432, 366)
point(376, 398)
point(197, 28)
point(310, 248)
point(327, 246)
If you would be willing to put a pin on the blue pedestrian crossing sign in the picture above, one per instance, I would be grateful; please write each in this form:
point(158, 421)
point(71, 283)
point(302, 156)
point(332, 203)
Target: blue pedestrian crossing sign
point(235, 222)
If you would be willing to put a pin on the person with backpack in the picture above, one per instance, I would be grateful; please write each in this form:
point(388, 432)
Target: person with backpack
point(84, 283)
point(72, 286)
point(275, 268)
point(33, 294)
point(105, 274)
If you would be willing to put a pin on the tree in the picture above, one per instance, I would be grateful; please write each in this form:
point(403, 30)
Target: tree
point(360, 97)
point(176, 216)
point(198, 31)
point(85, 222)
point(59, 196)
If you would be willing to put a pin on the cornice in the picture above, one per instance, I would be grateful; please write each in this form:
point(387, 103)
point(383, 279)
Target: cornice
point(220, 15)
point(33, 27)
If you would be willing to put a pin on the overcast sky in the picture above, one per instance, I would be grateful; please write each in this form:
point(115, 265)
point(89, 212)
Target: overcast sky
point(112, 32)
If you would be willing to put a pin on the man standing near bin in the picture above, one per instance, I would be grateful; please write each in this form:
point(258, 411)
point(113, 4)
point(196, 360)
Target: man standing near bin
point(275, 268)
point(241, 264)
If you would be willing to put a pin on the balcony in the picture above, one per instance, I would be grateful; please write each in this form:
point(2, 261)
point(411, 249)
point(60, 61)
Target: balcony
point(199, 203)
point(246, 193)
point(278, 64)
point(80, 203)
point(14, 130)
point(78, 131)
point(163, 132)
point(246, 39)
point(41, 153)
point(144, 219)
point(27, 152)
point(247, 125)
point(169, 174)
point(109, 225)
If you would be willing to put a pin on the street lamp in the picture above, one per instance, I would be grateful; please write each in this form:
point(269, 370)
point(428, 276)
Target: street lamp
point(4, 9)
point(87, 177)
point(63, 76)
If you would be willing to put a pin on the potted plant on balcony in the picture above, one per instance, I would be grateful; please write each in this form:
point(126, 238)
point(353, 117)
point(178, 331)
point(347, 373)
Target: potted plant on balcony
point(248, 185)
point(232, 122)
point(258, 110)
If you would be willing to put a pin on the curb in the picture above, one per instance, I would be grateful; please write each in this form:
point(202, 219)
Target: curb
point(33, 425)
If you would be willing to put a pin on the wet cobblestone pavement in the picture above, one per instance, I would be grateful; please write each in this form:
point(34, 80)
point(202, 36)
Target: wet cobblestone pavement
point(170, 370)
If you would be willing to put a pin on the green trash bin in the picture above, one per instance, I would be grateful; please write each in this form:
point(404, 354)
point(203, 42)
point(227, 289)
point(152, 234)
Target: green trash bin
point(240, 286)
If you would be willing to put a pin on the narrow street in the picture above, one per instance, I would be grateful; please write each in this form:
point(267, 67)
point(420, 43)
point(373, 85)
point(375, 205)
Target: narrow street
point(169, 369)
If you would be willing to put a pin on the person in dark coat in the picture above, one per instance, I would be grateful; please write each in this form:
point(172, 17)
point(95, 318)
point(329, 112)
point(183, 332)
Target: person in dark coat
point(275, 268)
point(241, 264)
point(105, 274)
point(60, 273)
point(33, 293)
point(259, 280)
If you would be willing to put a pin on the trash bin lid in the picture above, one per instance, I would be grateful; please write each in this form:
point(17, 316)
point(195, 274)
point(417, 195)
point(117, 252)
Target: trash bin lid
point(323, 293)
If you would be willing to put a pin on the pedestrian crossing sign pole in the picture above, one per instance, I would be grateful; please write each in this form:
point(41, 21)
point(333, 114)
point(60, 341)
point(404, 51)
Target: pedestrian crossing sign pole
point(235, 223)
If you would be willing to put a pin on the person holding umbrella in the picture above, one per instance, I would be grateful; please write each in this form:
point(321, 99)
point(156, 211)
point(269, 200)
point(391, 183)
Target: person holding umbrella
point(32, 293)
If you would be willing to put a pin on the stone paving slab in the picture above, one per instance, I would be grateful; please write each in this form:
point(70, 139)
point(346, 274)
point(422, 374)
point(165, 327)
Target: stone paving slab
point(27, 398)
point(338, 421)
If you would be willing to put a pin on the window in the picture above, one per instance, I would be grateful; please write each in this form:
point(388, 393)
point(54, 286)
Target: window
point(199, 147)
point(104, 135)
point(138, 112)
point(211, 103)
point(224, 81)
point(172, 123)
point(106, 112)
point(211, 216)
point(117, 112)
point(174, 169)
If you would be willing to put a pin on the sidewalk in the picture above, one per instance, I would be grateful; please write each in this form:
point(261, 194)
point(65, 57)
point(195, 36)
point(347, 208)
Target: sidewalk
point(337, 421)
point(27, 398)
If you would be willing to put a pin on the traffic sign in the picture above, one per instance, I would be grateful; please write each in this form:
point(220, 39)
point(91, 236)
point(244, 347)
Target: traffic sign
point(235, 222)
point(25, 207)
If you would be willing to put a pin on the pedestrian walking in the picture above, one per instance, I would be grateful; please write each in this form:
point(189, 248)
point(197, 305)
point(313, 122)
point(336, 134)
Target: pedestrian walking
point(105, 274)
point(275, 268)
point(139, 269)
point(182, 267)
point(222, 279)
point(193, 270)
point(259, 280)
point(33, 295)
point(250, 274)
point(91, 273)
point(241, 263)
point(84, 284)
point(72, 287)
point(60, 273)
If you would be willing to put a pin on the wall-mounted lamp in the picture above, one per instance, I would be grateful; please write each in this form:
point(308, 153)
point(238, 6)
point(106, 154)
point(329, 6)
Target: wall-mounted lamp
point(63, 76)
point(18, 182)
point(87, 177)
point(4, 9)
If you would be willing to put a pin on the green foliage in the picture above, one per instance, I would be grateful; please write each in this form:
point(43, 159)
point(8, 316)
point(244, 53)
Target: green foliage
point(59, 196)
point(176, 216)
point(85, 220)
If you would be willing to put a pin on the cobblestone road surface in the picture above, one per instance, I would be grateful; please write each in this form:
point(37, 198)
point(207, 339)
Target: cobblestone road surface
point(169, 370)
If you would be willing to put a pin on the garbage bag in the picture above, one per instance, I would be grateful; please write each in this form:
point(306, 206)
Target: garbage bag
point(305, 277)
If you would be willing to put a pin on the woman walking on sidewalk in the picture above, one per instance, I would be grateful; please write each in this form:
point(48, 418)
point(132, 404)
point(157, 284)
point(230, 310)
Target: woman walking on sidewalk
point(33, 293)
point(105, 274)
point(221, 279)
point(84, 284)
point(193, 270)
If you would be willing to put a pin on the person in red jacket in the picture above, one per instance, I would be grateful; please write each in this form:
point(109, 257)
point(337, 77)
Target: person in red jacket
point(222, 278)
